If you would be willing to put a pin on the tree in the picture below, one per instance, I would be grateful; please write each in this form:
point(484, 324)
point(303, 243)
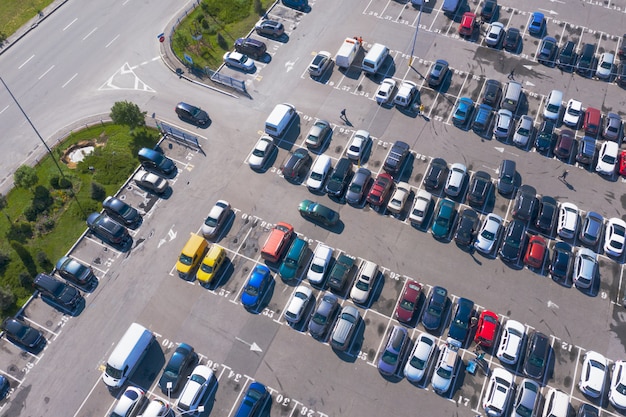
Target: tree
point(25, 177)
point(127, 113)
point(7, 298)
point(3, 204)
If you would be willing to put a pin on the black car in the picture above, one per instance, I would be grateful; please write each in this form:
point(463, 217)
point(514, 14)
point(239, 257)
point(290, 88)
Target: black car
point(537, 353)
point(488, 10)
point(436, 174)
point(545, 136)
point(587, 410)
point(24, 336)
point(621, 53)
point(567, 56)
point(296, 165)
point(107, 229)
point(174, 373)
point(621, 75)
point(395, 159)
point(339, 179)
point(80, 275)
point(479, 189)
point(324, 315)
point(525, 203)
point(547, 214)
point(547, 51)
point(433, 314)
point(492, 93)
point(58, 294)
point(154, 160)
point(561, 262)
point(506, 177)
point(513, 241)
point(467, 228)
point(461, 318)
point(586, 60)
point(121, 212)
point(270, 28)
point(251, 47)
point(512, 40)
point(192, 114)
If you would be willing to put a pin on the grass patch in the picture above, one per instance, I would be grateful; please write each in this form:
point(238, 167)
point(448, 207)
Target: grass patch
point(212, 28)
point(53, 232)
point(15, 13)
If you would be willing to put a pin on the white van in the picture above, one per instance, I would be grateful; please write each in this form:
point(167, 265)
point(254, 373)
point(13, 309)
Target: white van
point(280, 119)
point(127, 354)
point(318, 174)
point(375, 58)
point(553, 105)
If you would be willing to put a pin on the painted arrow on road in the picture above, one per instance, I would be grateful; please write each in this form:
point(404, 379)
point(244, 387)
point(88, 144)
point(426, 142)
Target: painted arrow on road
point(501, 150)
point(253, 346)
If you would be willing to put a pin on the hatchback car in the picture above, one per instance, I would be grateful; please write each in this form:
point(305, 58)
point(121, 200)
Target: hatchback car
point(492, 93)
point(324, 315)
point(130, 403)
point(483, 117)
point(445, 214)
point(174, 373)
point(467, 228)
point(298, 304)
point(586, 58)
point(385, 91)
point(547, 214)
point(535, 252)
point(511, 342)
point(380, 189)
point(499, 392)
point(593, 374)
point(456, 178)
point(23, 335)
point(254, 401)
point(502, 127)
point(270, 28)
point(262, 151)
point(561, 262)
point(479, 189)
point(523, 132)
point(151, 182)
point(239, 61)
point(421, 207)
point(437, 171)
point(436, 305)
point(318, 134)
point(488, 234)
point(512, 40)
point(79, 275)
point(406, 94)
point(398, 198)
point(296, 165)
point(617, 390)
point(489, 9)
point(568, 220)
point(320, 262)
point(358, 186)
point(612, 127)
point(527, 399)
point(513, 241)
point(107, 229)
point(537, 24)
point(201, 383)
point(217, 218)
point(343, 333)
point(461, 317)
point(615, 237)
point(121, 212)
point(468, 24)
point(320, 63)
point(339, 179)
point(438, 73)
point(573, 113)
point(591, 228)
point(605, 65)
point(318, 213)
point(486, 329)
point(525, 204)
point(607, 158)
point(537, 352)
point(394, 351)
point(407, 306)
point(256, 287)
point(462, 113)
point(359, 143)
point(547, 51)
point(419, 359)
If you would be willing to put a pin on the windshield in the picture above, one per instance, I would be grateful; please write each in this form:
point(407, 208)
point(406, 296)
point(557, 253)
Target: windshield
point(112, 372)
point(390, 357)
point(252, 290)
point(206, 268)
point(210, 221)
point(319, 319)
point(184, 259)
point(407, 305)
point(363, 286)
point(417, 363)
point(258, 152)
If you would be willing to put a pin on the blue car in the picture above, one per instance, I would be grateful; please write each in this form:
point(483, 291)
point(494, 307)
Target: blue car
point(394, 352)
point(5, 387)
point(433, 315)
point(537, 24)
point(463, 112)
point(255, 288)
point(254, 401)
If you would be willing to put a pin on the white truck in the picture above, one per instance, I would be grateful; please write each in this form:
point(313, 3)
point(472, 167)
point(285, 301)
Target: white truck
point(347, 52)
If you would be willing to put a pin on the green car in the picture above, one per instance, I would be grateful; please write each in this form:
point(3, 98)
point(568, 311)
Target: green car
point(444, 219)
point(318, 213)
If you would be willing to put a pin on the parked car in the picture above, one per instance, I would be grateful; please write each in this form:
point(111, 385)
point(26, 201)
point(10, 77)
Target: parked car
point(467, 227)
point(445, 369)
point(239, 61)
point(340, 178)
point(421, 207)
point(433, 313)
point(527, 399)
point(486, 329)
point(437, 171)
point(200, 385)
point(607, 159)
point(535, 252)
point(617, 391)
point(615, 237)
point(345, 327)
point(612, 127)
point(298, 303)
point(564, 145)
point(385, 91)
point(622, 163)
point(151, 182)
point(107, 229)
point(462, 113)
point(444, 218)
point(407, 305)
point(192, 114)
point(499, 392)
point(60, 295)
point(545, 136)
point(407, 92)
point(513, 241)
point(586, 59)
point(525, 204)
point(455, 180)
point(586, 150)
point(216, 220)
point(358, 186)
point(556, 404)
point(121, 212)
point(251, 47)
point(488, 10)
point(130, 403)
point(174, 373)
point(593, 374)
point(254, 401)
point(568, 220)
point(324, 315)
point(492, 93)
point(81, 276)
point(488, 234)
point(318, 213)
point(437, 73)
point(393, 353)
point(537, 24)
point(320, 63)
point(380, 190)
point(511, 342)
point(512, 40)
point(537, 352)
point(419, 359)
point(468, 24)
point(506, 177)
point(256, 287)
point(340, 273)
point(566, 60)
point(364, 282)
point(524, 131)
point(396, 157)
point(318, 174)
point(263, 149)
point(591, 229)
point(5, 387)
point(483, 118)
point(270, 28)
point(23, 335)
point(494, 34)
point(547, 214)
point(561, 262)
point(318, 134)
point(573, 113)
point(547, 51)
point(356, 149)
point(461, 317)
point(502, 127)
point(399, 197)
point(605, 65)
point(320, 262)
point(479, 189)
point(296, 165)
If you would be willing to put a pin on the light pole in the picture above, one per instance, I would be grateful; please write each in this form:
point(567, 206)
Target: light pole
point(419, 18)
point(200, 409)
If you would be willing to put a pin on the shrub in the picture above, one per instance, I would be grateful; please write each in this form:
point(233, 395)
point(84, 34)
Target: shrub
point(221, 41)
point(43, 261)
point(7, 298)
point(31, 213)
point(258, 8)
point(127, 113)
point(97, 191)
point(5, 260)
point(54, 182)
point(25, 177)
point(20, 232)
point(64, 183)
point(26, 279)
point(42, 200)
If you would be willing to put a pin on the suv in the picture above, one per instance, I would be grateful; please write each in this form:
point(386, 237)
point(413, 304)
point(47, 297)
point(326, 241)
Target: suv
point(61, 295)
point(537, 353)
point(192, 114)
point(155, 161)
point(340, 273)
point(445, 369)
point(525, 202)
point(340, 178)
point(202, 379)
point(296, 165)
point(566, 59)
point(103, 226)
point(250, 47)
point(395, 159)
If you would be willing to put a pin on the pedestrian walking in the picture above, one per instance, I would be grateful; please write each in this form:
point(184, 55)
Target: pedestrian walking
point(564, 175)
point(512, 74)
point(343, 115)
point(420, 109)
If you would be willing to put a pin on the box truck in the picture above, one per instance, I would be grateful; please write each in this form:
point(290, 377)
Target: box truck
point(347, 52)
point(128, 353)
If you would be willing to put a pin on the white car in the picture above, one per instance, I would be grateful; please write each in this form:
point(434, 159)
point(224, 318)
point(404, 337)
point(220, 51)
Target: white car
point(216, 219)
point(498, 392)
point(150, 181)
point(585, 268)
point(573, 112)
point(607, 159)
point(615, 237)
point(239, 61)
point(568, 220)
point(617, 392)
point(130, 402)
point(399, 197)
point(418, 361)
point(605, 65)
point(423, 200)
point(446, 367)
point(502, 126)
point(385, 91)
point(201, 381)
point(523, 132)
point(298, 303)
point(320, 63)
point(157, 408)
point(511, 342)
point(494, 34)
point(357, 145)
point(488, 233)
point(319, 264)
point(406, 93)
point(593, 374)
point(318, 173)
point(455, 180)
point(556, 404)
point(261, 152)
point(362, 287)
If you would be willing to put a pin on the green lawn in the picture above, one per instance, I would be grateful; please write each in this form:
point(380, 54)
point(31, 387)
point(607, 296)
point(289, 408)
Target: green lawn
point(15, 13)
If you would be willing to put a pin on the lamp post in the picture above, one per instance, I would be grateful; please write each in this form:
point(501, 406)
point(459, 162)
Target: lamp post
point(200, 409)
point(419, 18)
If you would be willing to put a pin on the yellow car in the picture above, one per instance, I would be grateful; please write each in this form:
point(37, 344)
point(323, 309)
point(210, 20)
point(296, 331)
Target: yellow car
point(210, 265)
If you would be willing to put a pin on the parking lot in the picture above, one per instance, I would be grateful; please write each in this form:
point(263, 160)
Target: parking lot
point(305, 376)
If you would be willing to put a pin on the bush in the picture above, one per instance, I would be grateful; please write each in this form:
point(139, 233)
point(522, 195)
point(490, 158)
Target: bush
point(20, 232)
point(7, 298)
point(54, 182)
point(31, 213)
point(5, 260)
point(64, 183)
point(258, 8)
point(97, 191)
point(127, 113)
point(26, 279)
point(25, 177)
point(45, 225)
point(43, 261)
point(42, 200)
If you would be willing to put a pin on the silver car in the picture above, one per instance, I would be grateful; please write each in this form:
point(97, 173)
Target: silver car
point(585, 267)
point(456, 177)
point(320, 63)
point(341, 338)
point(526, 399)
point(358, 186)
point(523, 132)
point(488, 233)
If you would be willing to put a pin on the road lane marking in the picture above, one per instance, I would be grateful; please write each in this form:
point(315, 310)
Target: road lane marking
point(44, 74)
point(25, 62)
point(90, 33)
point(112, 40)
point(68, 81)
point(70, 24)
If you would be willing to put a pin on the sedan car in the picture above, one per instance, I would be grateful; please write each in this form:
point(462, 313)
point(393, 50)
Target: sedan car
point(433, 313)
point(270, 28)
point(547, 51)
point(593, 374)
point(617, 391)
point(253, 401)
point(499, 392)
point(399, 197)
point(486, 329)
point(488, 233)
point(437, 74)
point(79, 275)
point(479, 189)
point(612, 127)
point(324, 315)
point(461, 318)
point(298, 304)
point(130, 403)
point(103, 226)
point(380, 189)
point(320, 63)
point(622, 163)
point(444, 218)
point(23, 335)
point(261, 152)
point(573, 113)
point(318, 134)
point(537, 352)
point(488, 10)
point(615, 237)
point(527, 399)
point(174, 373)
point(494, 34)
point(296, 165)
point(607, 159)
point(568, 220)
point(318, 213)
point(437, 171)
point(407, 306)
point(467, 228)
point(591, 228)
point(605, 65)
point(561, 262)
point(358, 186)
point(393, 353)
point(364, 283)
point(512, 40)
point(356, 149)
point(150, 181)
point(535, 252)
point(523, 132)
point(255, 289)
point(239, 61)
point(547, 214)
point(502, 127)
point(385, 91)
point(513, 241)
point(564, 145)
point(419, 359)
point(462, 113)
point(456, 178)
point(537, 24)
point(121, 212)
point(216, 219)
point(511, 342)
point(468, 24)
point(420, 209)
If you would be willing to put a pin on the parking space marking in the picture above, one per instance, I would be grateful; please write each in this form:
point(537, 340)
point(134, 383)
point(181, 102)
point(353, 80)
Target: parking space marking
point(40, 326)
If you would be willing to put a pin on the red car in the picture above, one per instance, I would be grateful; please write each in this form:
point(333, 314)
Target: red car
point(380, 190)
point(536, 252)
point(468, 23)
point(408, 301)
point(622, 163)
point(486, 329)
